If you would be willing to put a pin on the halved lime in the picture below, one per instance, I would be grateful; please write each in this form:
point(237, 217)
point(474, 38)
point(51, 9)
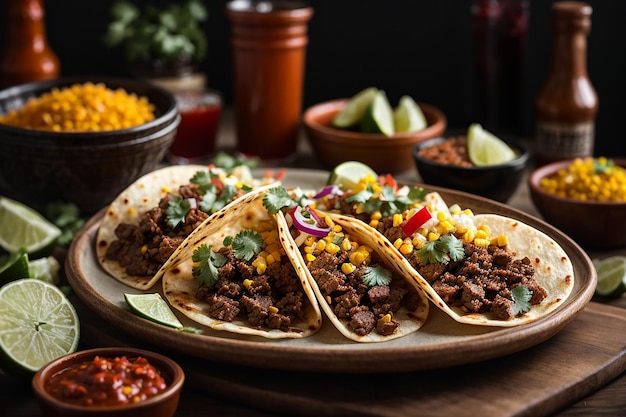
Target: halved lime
point(407, 116)
point(611, 276)
point(484, 148)
point(347, 174)
point(14, 266)
point(23, 227)
point(39, 324)
point(351, 115)
point(152, 307)
point(378, 117)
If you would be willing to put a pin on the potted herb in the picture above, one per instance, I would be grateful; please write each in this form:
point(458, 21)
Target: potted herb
point(159, 42)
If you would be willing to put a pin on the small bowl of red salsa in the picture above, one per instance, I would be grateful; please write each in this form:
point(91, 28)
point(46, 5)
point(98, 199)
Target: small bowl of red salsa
point(109, 382)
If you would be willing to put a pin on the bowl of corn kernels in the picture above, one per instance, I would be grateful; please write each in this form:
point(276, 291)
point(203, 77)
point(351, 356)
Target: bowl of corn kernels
point(81, 140)
point(585, 198)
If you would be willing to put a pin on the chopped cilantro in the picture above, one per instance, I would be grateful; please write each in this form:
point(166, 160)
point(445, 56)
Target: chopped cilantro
point(376, 275)
point(601, 168)
point(387, 201)
point(521, 300)
point(66, 216)
point(247, 244)
point(208, 262)
point(277, 198)
point(229, 162)
point(204, 180)
point(443, 250)
point(177, 209)
point(225, 197)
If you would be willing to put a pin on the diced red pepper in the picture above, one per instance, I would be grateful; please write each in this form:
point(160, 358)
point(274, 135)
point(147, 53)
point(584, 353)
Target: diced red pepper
point(416, 221)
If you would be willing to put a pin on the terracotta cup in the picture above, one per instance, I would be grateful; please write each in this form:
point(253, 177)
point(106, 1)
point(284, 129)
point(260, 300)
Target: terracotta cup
point(268, 40)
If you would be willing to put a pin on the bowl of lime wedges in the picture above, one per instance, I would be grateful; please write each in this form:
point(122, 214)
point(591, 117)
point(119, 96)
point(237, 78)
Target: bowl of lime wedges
point(479, 163)
point(367, 128)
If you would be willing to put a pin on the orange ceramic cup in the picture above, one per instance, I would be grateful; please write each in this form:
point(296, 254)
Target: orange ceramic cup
point(268, 40)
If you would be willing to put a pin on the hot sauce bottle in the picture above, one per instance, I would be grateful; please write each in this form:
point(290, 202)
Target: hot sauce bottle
point(567, 103)
point(26, 55)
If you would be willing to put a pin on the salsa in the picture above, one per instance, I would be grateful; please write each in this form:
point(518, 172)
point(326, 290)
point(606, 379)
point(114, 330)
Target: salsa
point(107, 382)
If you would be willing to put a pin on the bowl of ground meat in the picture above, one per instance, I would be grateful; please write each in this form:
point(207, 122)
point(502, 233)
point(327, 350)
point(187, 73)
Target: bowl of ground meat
point(444, 162)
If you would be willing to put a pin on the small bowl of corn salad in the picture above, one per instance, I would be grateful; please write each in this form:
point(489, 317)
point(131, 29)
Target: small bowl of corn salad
point(81, 139)
point(585, 198)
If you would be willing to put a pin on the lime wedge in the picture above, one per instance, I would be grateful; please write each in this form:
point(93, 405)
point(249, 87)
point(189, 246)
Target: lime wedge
point(152, 307)
point(351, 115)
point(484, 148)
point(378, 117)
point(39, 324)
point(347, 174)
point(46, 269)
point(611, 276)
point(23, 227)
point(408, 117)
point(14, 266)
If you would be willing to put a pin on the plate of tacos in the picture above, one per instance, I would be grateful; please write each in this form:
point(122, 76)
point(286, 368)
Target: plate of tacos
point(290, 273)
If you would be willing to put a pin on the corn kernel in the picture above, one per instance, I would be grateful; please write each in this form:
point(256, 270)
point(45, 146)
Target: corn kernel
point(144, 249)
point(347, 268)
point(310, 257)
point(377, 215)
point(272, 309)
point(374, 223)
point(481, 242)
point(406, 248)
point(247, 282)
point(331, 248)
point(397, 219)
point(432, 236)
point(386, 318)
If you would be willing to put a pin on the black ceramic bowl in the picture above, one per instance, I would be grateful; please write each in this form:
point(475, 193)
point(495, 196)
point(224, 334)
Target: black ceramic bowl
point(497, 182)
point(86, 168)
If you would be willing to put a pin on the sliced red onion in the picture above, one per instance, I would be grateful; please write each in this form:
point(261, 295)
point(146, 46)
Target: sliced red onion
point(303, 224)
point(329, 189)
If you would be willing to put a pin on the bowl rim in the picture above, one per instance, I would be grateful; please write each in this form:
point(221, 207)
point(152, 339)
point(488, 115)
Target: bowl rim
point(161, 362)
point(517, 162)
point(337, 104)
point(541, 172)
point(37, 88)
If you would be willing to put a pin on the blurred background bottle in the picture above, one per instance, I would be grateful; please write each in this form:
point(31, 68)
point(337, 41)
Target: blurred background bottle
point(499, 40)
point(26, 55)
point(567, 103)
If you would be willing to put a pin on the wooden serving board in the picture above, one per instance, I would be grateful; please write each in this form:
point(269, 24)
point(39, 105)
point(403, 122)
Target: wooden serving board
point(588, 353)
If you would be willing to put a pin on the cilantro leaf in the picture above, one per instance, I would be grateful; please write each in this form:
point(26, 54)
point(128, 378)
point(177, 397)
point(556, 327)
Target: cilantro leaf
point(453, 246)
point(177, 209)
point(204, 180)
point(447, 248)
point(601, 168)
point(247, 244)
point(277, 198)
point(376, 275)
point(521, 300)
point(225, 197)
point(362, 196)
point(208, 261)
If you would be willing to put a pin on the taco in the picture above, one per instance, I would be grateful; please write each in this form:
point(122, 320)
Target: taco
point(359, 282)
point(481, 269)
point(143, 226)
point(234, 273)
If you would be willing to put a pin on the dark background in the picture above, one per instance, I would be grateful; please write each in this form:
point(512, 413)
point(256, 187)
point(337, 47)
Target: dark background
point(422, 48)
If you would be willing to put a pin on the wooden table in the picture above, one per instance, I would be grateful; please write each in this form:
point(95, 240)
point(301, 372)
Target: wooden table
point(17, 400)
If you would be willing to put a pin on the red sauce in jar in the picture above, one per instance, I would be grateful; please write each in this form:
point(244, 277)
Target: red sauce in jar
point(197, 131)
point(107, 382)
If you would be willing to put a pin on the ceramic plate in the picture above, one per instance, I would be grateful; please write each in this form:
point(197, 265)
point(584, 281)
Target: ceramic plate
point(441, 342)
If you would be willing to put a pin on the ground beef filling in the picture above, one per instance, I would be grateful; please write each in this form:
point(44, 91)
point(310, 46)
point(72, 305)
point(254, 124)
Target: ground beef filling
point(142, 249)
point(482, 281)
point(364, 307)
point(274, 299)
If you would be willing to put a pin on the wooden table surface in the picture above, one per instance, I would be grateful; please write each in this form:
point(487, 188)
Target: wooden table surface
point(17, 400)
